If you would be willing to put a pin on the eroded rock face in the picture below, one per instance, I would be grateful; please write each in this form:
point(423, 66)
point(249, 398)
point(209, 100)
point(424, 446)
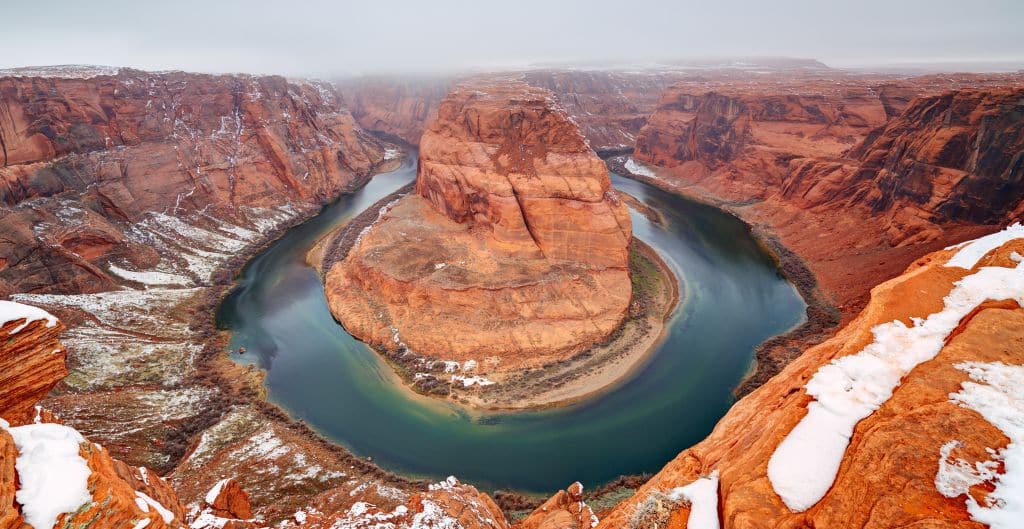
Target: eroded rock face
point(115, 494)
point(564, 510)
point(899, 469)
point(31, 364)
point(395, 107)
point(513, 250)
point(82, 157)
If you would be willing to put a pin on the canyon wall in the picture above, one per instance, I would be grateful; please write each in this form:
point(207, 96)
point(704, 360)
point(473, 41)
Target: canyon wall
point(85, 157)
point(858, 177)
point(132, 240)
point(513, 250)
point(395, 107)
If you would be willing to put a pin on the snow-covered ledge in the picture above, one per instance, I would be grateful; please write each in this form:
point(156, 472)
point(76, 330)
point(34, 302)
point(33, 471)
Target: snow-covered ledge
point(851, 388)
point(12, 311)
point(53, 477)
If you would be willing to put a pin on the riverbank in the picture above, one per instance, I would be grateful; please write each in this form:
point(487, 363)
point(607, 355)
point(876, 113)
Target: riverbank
point(822, 316)
point(656, 293)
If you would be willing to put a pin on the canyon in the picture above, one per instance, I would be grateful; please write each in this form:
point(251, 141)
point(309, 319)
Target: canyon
point(130, 199)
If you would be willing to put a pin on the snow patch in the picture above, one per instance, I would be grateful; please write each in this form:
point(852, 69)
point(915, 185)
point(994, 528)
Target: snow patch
point(972, 252)
point(11, 311)
point(468, 381)
point(995, 392)
point(164, 513)
point(641, 170)
point(848, 389)
point(149, 278)
point(53, 476)
point(702, 496)
point(211, 496)
point(957, 477)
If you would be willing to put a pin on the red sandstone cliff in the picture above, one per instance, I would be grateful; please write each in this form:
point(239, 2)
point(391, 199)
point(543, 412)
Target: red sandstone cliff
point(852, 176)
point(609, 107)
point(395, 107)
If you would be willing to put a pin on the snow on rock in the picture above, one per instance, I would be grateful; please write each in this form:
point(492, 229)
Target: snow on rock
point(149, 278)
point(956, 477)
point(641, 170)
point(63, 71)
point(143, 523)
point(702, 495)
point(848, 389)
point(972, 252)
point(164, 513)
point(468, 381)
point(995, 391)
point(433, 517)
point(53, 477)
point(12, 311)
point(211, 496)
point(391, 153)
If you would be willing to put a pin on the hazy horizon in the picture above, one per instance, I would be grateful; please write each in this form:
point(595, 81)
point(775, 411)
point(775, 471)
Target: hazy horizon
point(317, 38)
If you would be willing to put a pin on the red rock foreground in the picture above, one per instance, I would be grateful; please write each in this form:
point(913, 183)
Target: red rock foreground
point(909, 417)
point(511, 253)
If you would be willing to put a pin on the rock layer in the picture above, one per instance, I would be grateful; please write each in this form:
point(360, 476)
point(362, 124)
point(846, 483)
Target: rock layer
point(513, 251)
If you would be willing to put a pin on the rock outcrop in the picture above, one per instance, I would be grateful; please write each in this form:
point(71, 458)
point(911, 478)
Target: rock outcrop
point(513, 250)
point(565, 510)
point(82, 158)
point(32, 362)
point(926, 449)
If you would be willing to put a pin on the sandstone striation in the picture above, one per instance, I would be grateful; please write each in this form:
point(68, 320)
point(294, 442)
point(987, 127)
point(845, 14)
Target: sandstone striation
point(513, 250)
point(909, 462)
point(31, 363)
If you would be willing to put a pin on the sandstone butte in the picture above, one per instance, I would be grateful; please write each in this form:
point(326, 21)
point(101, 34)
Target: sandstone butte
point(513, 250)
point(81, 159)
point(117, 495)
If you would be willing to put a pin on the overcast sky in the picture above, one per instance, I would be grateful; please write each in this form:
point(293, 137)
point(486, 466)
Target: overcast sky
point(322, 38)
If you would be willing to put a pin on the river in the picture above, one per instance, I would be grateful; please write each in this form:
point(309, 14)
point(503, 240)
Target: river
point(734, 299)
